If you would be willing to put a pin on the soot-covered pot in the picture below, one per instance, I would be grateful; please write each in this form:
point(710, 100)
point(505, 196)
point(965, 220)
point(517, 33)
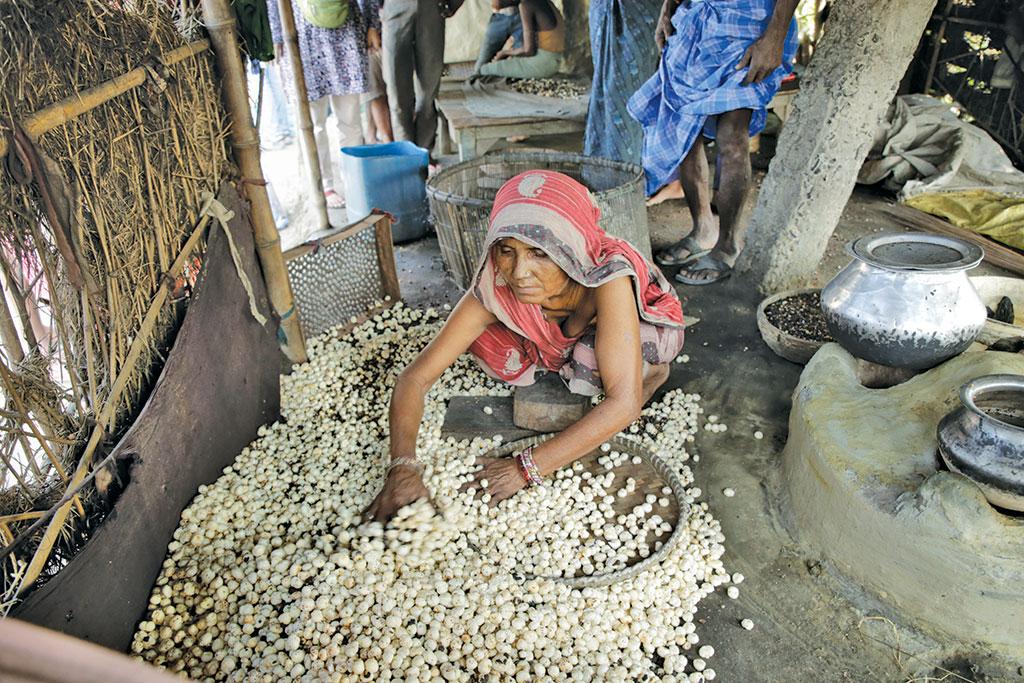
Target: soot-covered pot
point(983, 439)
point(905, 300)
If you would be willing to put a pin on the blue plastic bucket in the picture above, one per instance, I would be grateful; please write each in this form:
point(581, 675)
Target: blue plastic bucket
point(391, 177)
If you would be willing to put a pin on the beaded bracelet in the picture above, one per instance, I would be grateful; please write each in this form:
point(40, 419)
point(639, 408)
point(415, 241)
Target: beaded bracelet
point(528, 467)
point(405, 461)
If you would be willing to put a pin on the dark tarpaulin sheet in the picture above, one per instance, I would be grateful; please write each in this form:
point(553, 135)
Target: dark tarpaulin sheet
point(219, 384)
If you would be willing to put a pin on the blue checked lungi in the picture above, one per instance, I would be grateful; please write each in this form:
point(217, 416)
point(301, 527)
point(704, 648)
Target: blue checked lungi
point(697, 79)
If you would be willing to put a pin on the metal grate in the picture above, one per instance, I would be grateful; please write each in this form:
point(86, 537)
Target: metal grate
point(340, 276)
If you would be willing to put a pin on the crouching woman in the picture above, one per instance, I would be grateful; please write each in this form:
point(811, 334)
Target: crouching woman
point(553, 293)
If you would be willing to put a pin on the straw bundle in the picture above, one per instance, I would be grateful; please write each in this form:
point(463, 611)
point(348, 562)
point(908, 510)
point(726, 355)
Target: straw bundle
point(81, 271)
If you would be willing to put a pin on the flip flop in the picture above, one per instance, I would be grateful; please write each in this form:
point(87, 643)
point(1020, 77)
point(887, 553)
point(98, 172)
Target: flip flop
point(664, 256)
point(706, 262)
point(334, 200)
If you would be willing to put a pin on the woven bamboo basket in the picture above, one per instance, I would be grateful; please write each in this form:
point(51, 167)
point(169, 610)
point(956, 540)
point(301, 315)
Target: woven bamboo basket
point(461, 197)
point(651, 475)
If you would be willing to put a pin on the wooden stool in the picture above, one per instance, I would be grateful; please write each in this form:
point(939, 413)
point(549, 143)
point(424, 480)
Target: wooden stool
point(547, 406)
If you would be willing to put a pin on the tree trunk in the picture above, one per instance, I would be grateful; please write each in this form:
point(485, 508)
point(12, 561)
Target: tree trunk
point(846, 90)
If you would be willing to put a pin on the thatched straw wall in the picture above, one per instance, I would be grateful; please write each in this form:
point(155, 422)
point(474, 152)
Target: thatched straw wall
point(81, 271)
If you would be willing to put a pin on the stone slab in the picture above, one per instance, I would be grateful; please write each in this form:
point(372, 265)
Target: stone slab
point(547, 406)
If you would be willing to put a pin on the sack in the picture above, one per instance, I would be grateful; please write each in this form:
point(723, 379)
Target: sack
point(325, 13)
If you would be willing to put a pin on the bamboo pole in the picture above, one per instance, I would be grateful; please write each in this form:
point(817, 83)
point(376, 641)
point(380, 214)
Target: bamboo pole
point(59, 113)
point(220, 23)
point(309, 151)
point(21, 516)
point(938, 37)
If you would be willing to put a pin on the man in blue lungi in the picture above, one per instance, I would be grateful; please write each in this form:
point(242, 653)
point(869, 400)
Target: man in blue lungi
point(721, 63)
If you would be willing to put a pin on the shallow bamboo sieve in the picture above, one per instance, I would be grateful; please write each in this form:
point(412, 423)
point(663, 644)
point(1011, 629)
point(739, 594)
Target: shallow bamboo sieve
point(651, 476)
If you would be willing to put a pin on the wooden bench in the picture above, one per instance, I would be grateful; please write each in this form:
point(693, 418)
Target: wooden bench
point(474, 135)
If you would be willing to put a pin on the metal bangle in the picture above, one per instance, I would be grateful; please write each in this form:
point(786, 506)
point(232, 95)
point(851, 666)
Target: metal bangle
point(529, 468)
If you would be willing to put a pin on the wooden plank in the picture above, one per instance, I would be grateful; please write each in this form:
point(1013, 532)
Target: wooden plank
point(453, 105)
point(386, 258)
point(344, 233)
point(995, 253)
point(467, 144)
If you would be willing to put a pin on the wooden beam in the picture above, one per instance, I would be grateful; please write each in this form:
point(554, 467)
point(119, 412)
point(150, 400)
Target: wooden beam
point(937, 39)
point(344, 233)
point(310, 154)
point(386, 259)
point(220, 23)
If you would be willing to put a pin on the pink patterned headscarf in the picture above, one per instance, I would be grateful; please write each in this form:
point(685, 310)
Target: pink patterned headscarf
point(557, 214)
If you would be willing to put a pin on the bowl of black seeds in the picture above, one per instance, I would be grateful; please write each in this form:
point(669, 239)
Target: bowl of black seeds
point(792, 324)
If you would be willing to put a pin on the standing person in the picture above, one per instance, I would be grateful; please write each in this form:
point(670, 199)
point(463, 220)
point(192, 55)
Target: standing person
point(412, 34)
point(721, 64)
point(543, 43)
point(335, 65)
point(503, 24)
point(620, 35)
point(376, 97)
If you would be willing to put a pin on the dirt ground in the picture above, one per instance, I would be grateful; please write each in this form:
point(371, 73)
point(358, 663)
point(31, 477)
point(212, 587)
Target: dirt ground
point(811, 624)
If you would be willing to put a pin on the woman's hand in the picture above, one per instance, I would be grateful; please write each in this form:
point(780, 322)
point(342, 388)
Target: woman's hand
point(502, 54)
point(403, 486)
point(503, 477)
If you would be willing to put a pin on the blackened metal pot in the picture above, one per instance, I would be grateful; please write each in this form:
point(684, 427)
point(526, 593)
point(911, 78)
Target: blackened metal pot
point(983, 439)
point(905, 300)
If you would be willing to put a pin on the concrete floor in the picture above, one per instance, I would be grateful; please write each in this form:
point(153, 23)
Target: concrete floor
point(810, 624)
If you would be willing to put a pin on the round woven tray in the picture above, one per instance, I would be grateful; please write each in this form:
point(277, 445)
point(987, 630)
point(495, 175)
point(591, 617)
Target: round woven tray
point(653, 465)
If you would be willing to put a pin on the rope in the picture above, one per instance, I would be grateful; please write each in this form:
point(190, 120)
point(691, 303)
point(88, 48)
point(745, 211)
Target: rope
point(222, 215)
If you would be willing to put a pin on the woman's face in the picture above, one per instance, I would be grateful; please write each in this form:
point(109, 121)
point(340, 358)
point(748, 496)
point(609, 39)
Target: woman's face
point(529, 271)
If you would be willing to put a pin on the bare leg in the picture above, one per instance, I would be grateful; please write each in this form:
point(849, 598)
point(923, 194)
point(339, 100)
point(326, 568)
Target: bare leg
point(672, 190)
point(380, 116)
point(654, 377)
point(695, 176)
point(734, 155)
point(369, 126)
